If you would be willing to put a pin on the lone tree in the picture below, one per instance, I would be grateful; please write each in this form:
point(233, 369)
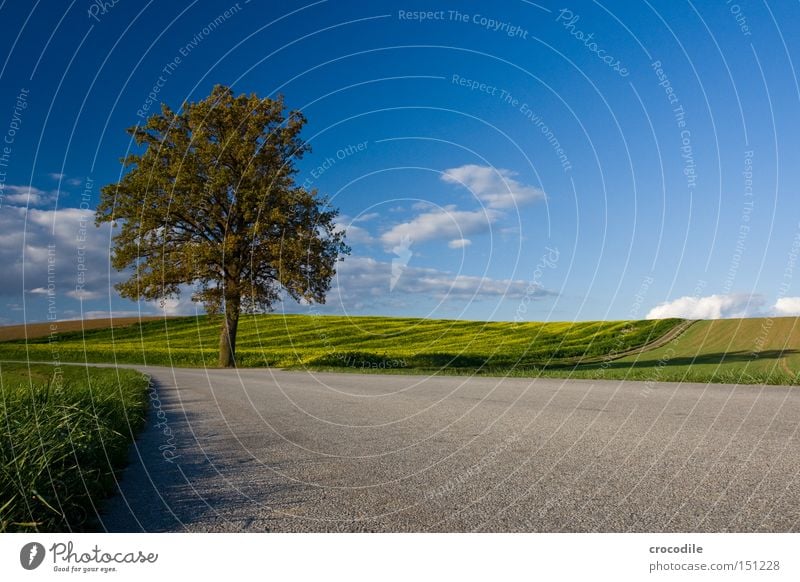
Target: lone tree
point(211, 202)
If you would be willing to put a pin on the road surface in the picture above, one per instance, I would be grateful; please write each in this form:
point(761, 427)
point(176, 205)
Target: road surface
point(268, 450)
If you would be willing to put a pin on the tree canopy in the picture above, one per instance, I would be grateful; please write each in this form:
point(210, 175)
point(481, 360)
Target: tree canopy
point(212, 202)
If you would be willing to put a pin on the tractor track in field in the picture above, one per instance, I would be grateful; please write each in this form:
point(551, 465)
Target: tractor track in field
point(663, 340)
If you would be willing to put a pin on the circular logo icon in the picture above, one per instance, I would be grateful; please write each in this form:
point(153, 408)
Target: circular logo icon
point(31, 555)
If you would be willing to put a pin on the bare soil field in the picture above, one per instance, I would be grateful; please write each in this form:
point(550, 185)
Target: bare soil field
point(43, 329)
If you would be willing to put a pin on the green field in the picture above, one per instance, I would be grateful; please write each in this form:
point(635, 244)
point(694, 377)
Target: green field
point(731, 350)
point(745, 351)
point(64, 432)
point(734, 350)
point(345, 342)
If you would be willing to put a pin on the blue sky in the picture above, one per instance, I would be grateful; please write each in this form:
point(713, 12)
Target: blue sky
point(516, 160)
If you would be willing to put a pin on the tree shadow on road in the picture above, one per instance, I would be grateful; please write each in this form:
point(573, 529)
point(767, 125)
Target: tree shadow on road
point(171, 484)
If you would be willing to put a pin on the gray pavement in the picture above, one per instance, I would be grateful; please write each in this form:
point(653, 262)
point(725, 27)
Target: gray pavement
point(268, 450)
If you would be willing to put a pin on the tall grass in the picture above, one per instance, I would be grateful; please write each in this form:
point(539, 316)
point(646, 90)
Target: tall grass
point(64, 433)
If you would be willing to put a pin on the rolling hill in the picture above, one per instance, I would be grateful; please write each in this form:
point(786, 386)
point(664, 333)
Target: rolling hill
point(733, 350)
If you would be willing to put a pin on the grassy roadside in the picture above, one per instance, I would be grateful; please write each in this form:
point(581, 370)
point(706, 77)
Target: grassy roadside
point(64, 432)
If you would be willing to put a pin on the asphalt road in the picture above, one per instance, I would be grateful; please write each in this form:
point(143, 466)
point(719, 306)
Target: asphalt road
point(262, 450)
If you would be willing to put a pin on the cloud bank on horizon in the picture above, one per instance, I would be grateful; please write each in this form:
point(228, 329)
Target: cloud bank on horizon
point(729, 306)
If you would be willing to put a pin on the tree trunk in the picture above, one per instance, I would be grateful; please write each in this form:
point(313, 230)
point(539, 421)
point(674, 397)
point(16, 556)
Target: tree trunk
point(227, 339)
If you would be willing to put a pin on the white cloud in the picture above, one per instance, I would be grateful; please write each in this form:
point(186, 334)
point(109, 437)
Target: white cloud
point(101, 314)
point(41, 238)
point(710, 307)
point(360, 278)
point(182, 305)
point(64, 178)
point(787, 306)
point(495, 187)
point(459, 243)
point(358, 235)
point(366, 217)
point(353, 234)
point(86, 294)
point(28, 195)
point(442, 223)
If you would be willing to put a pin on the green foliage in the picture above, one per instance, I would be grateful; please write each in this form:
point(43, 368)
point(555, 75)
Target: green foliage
point(62, 438)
